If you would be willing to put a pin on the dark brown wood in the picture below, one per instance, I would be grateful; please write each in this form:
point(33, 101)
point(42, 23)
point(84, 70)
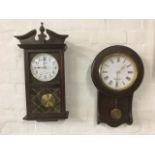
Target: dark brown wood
point(56, 47)
point(118, 101)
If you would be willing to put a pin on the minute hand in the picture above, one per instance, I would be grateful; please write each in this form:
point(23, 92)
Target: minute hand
point(116, 84)
point(122, 68)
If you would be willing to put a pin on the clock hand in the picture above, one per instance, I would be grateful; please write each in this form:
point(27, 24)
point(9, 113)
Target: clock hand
point(116, 84)
point(44, 67)
point(122, 68)
point(43, 60)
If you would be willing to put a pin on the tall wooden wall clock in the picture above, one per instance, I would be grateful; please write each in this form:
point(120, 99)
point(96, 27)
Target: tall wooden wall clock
point(44, 75)
point(117, 71)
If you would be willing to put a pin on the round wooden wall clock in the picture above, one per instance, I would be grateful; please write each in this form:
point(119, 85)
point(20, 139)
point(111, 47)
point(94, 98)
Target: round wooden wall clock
point(117, 71)
point(44, 75)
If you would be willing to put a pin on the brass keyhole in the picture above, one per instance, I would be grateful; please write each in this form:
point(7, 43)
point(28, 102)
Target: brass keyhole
point(116, 114)
point(48, 101)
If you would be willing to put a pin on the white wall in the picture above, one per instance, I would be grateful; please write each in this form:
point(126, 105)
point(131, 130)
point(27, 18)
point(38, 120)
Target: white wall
point(86, 39)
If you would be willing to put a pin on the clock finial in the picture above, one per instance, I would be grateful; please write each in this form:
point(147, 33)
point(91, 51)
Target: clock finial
point(42, 29)
point(42, 36)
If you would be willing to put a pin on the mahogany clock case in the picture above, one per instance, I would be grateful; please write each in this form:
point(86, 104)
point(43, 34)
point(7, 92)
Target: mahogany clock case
point(115, 107)
point(112, 50)
point(36, 89)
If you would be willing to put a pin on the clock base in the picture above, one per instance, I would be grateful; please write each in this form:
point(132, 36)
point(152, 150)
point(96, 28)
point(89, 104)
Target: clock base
point(114, 111)
point(55, 117)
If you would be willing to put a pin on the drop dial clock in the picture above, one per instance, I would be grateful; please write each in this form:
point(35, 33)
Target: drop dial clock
point(117, 71)
point(44, 75)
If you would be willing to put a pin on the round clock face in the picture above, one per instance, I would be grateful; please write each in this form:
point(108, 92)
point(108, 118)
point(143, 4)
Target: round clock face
point(44, 67)
point(118, 71)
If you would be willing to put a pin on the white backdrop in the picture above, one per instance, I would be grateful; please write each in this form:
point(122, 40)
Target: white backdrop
point(86, 39)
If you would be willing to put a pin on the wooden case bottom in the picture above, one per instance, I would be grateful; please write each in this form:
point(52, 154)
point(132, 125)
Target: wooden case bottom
point(114, 111)
point(52, 117)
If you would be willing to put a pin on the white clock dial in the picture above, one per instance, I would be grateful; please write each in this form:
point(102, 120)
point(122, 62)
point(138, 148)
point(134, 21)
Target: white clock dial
point(44, 67)
point(118, 71)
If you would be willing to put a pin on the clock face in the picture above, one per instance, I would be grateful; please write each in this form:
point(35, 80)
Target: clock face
point(44, 67)
point(118, 71)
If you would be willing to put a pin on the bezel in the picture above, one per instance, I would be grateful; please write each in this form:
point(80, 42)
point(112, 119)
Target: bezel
point(117, 49)
point(118, 54)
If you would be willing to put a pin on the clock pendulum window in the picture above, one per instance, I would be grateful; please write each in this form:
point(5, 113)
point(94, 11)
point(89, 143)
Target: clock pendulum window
point(44, 75)
point(117, 71)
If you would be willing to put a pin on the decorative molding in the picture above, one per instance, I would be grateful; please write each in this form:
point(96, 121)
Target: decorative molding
point(28, 39)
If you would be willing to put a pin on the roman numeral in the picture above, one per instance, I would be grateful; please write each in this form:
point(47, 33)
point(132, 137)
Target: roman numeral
point(44, 58)
point(116, 84)
point(104, 72)
point(106, 65)
point(111, 60)
point(128, 65)
point(123, 82)
point(106, 77)
point(130, 72)
point(124, 60)
point(118, 59)
point(110, 82)
point(40, 76)
point(128, 78)
point(37, 62)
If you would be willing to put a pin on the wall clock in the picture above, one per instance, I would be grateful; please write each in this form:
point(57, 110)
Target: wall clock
point(117, 71)
point(44, 75)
